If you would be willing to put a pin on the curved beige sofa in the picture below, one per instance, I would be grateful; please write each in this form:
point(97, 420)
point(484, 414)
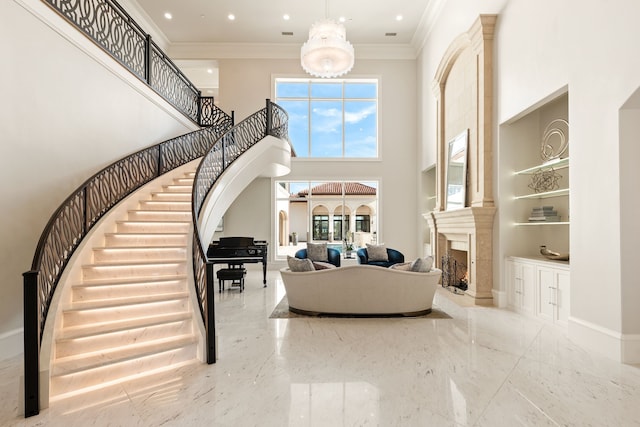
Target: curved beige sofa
point(360, 290)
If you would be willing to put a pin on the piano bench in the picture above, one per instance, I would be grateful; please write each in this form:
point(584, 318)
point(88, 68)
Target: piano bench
point(235, 275)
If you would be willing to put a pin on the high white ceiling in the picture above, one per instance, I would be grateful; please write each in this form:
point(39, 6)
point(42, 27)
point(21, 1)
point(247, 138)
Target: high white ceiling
point(261, 21)
point(368, 22)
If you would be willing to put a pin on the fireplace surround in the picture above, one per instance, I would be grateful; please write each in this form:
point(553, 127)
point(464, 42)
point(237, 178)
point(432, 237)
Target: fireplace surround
point(463, 87)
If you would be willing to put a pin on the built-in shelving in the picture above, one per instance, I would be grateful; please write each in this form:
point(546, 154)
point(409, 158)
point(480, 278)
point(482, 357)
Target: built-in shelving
point(545, 195)
point(555, 164)
point(538, 223)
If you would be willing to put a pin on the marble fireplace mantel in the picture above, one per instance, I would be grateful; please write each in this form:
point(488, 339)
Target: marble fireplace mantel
point(470, 230)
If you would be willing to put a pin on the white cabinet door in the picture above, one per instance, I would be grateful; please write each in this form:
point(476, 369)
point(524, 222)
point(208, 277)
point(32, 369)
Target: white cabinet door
point(562, 297)
point(546, 293)
point(528, 295)
point(521, 279)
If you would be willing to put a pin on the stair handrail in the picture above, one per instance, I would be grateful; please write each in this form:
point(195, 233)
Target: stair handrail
point(75, 217)
point(270, 121)
point(111, 28)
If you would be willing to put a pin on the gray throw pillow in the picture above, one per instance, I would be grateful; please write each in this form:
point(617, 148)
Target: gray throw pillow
point(298, 265)
point(317, 252)
point(377, 252)
point(422, 265)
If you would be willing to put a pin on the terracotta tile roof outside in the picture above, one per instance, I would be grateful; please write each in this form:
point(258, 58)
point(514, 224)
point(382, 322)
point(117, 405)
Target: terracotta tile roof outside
point(335, 189)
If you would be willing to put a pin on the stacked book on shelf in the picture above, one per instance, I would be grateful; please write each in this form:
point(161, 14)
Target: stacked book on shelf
point(544, 214)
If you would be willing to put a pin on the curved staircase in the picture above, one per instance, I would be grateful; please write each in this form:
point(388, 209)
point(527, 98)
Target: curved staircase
point(130, 314)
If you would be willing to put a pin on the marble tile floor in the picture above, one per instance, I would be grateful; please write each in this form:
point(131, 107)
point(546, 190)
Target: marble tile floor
point(483, 367)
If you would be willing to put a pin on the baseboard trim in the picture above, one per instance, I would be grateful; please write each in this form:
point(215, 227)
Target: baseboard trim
point(624, 348)
point(499, 298)
point(631, 348)
point(11, 343)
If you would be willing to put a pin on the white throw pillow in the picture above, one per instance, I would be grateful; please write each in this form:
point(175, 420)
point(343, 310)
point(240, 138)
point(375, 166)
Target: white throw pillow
point(377, 252)
point(422, 265)
point(298, 265)
point(317, 252)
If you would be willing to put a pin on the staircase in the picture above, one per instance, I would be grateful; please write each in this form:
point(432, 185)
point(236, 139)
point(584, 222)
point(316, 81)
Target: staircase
point(130, 314)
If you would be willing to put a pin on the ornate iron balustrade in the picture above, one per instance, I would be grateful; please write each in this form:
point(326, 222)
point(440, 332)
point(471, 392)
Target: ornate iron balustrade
point(79, 213)
point(271, 120)
point(111, 28)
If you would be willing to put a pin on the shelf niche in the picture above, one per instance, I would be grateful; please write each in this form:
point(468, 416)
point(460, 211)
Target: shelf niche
point(520, 154)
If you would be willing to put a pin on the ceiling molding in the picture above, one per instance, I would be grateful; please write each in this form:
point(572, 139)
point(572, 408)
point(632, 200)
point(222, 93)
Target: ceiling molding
point(281, 51)
point(427, 23)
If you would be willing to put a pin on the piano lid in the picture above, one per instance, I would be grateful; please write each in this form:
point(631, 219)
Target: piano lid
point(235, 242)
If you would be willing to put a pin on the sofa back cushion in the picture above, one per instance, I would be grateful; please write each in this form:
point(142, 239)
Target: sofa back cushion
point(298, 265)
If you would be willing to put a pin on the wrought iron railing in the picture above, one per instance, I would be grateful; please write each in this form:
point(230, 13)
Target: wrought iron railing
point(110, 27)
point(79, 213)
point(271, 120)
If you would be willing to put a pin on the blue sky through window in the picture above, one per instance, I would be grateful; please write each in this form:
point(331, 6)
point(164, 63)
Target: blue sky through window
point(331, 119)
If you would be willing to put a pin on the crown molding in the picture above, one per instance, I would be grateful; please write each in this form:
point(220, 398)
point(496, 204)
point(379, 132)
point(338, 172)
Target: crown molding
point(427, 23)
point(281, 51)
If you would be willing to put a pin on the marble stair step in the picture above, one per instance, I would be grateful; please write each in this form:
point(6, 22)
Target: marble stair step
point(172, 196)
point(100, 342)
point(164, 205)
point(176, 188)
point(138, 253)
point(108, 326)
point(145, 239)
point(159, 215)
point(140, 269)
point(72, 375)
point(184, 181)
point(127, 300)
point(134, 310)
point(153, 226)
point(103, 289)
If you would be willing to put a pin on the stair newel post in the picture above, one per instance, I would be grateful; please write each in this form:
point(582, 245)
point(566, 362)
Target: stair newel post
point(210, 315)
point(31, 344)
point(267, 130)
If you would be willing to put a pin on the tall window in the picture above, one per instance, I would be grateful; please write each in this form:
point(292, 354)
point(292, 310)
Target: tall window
point(329, 119)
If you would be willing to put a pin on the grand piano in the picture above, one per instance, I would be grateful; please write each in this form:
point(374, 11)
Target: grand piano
point(239, 250)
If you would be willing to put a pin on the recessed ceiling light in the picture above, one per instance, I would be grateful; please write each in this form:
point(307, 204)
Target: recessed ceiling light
point(231, 17)
point(210, 71)
point(167, 15)
point(398, 17)
point(286, 17)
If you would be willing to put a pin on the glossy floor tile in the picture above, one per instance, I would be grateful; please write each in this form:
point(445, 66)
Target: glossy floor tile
point(482, 367)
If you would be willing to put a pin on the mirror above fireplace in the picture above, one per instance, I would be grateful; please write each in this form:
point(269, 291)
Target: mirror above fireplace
point(456, 178)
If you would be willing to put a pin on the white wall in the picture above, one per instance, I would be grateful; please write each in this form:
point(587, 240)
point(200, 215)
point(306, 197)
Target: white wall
point(589, 46)
point(65, 114)
point(244, 86)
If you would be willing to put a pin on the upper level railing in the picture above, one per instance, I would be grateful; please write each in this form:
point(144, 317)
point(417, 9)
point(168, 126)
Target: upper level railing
point(271, 120)
point(110, 27)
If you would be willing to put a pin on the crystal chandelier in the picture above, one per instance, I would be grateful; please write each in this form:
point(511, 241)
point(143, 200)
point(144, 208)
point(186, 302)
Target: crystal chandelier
point(327, 53)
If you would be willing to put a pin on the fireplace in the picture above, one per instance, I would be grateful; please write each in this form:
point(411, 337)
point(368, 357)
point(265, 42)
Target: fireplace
point(463, 87)
point(455, 276)
point(467, 236)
